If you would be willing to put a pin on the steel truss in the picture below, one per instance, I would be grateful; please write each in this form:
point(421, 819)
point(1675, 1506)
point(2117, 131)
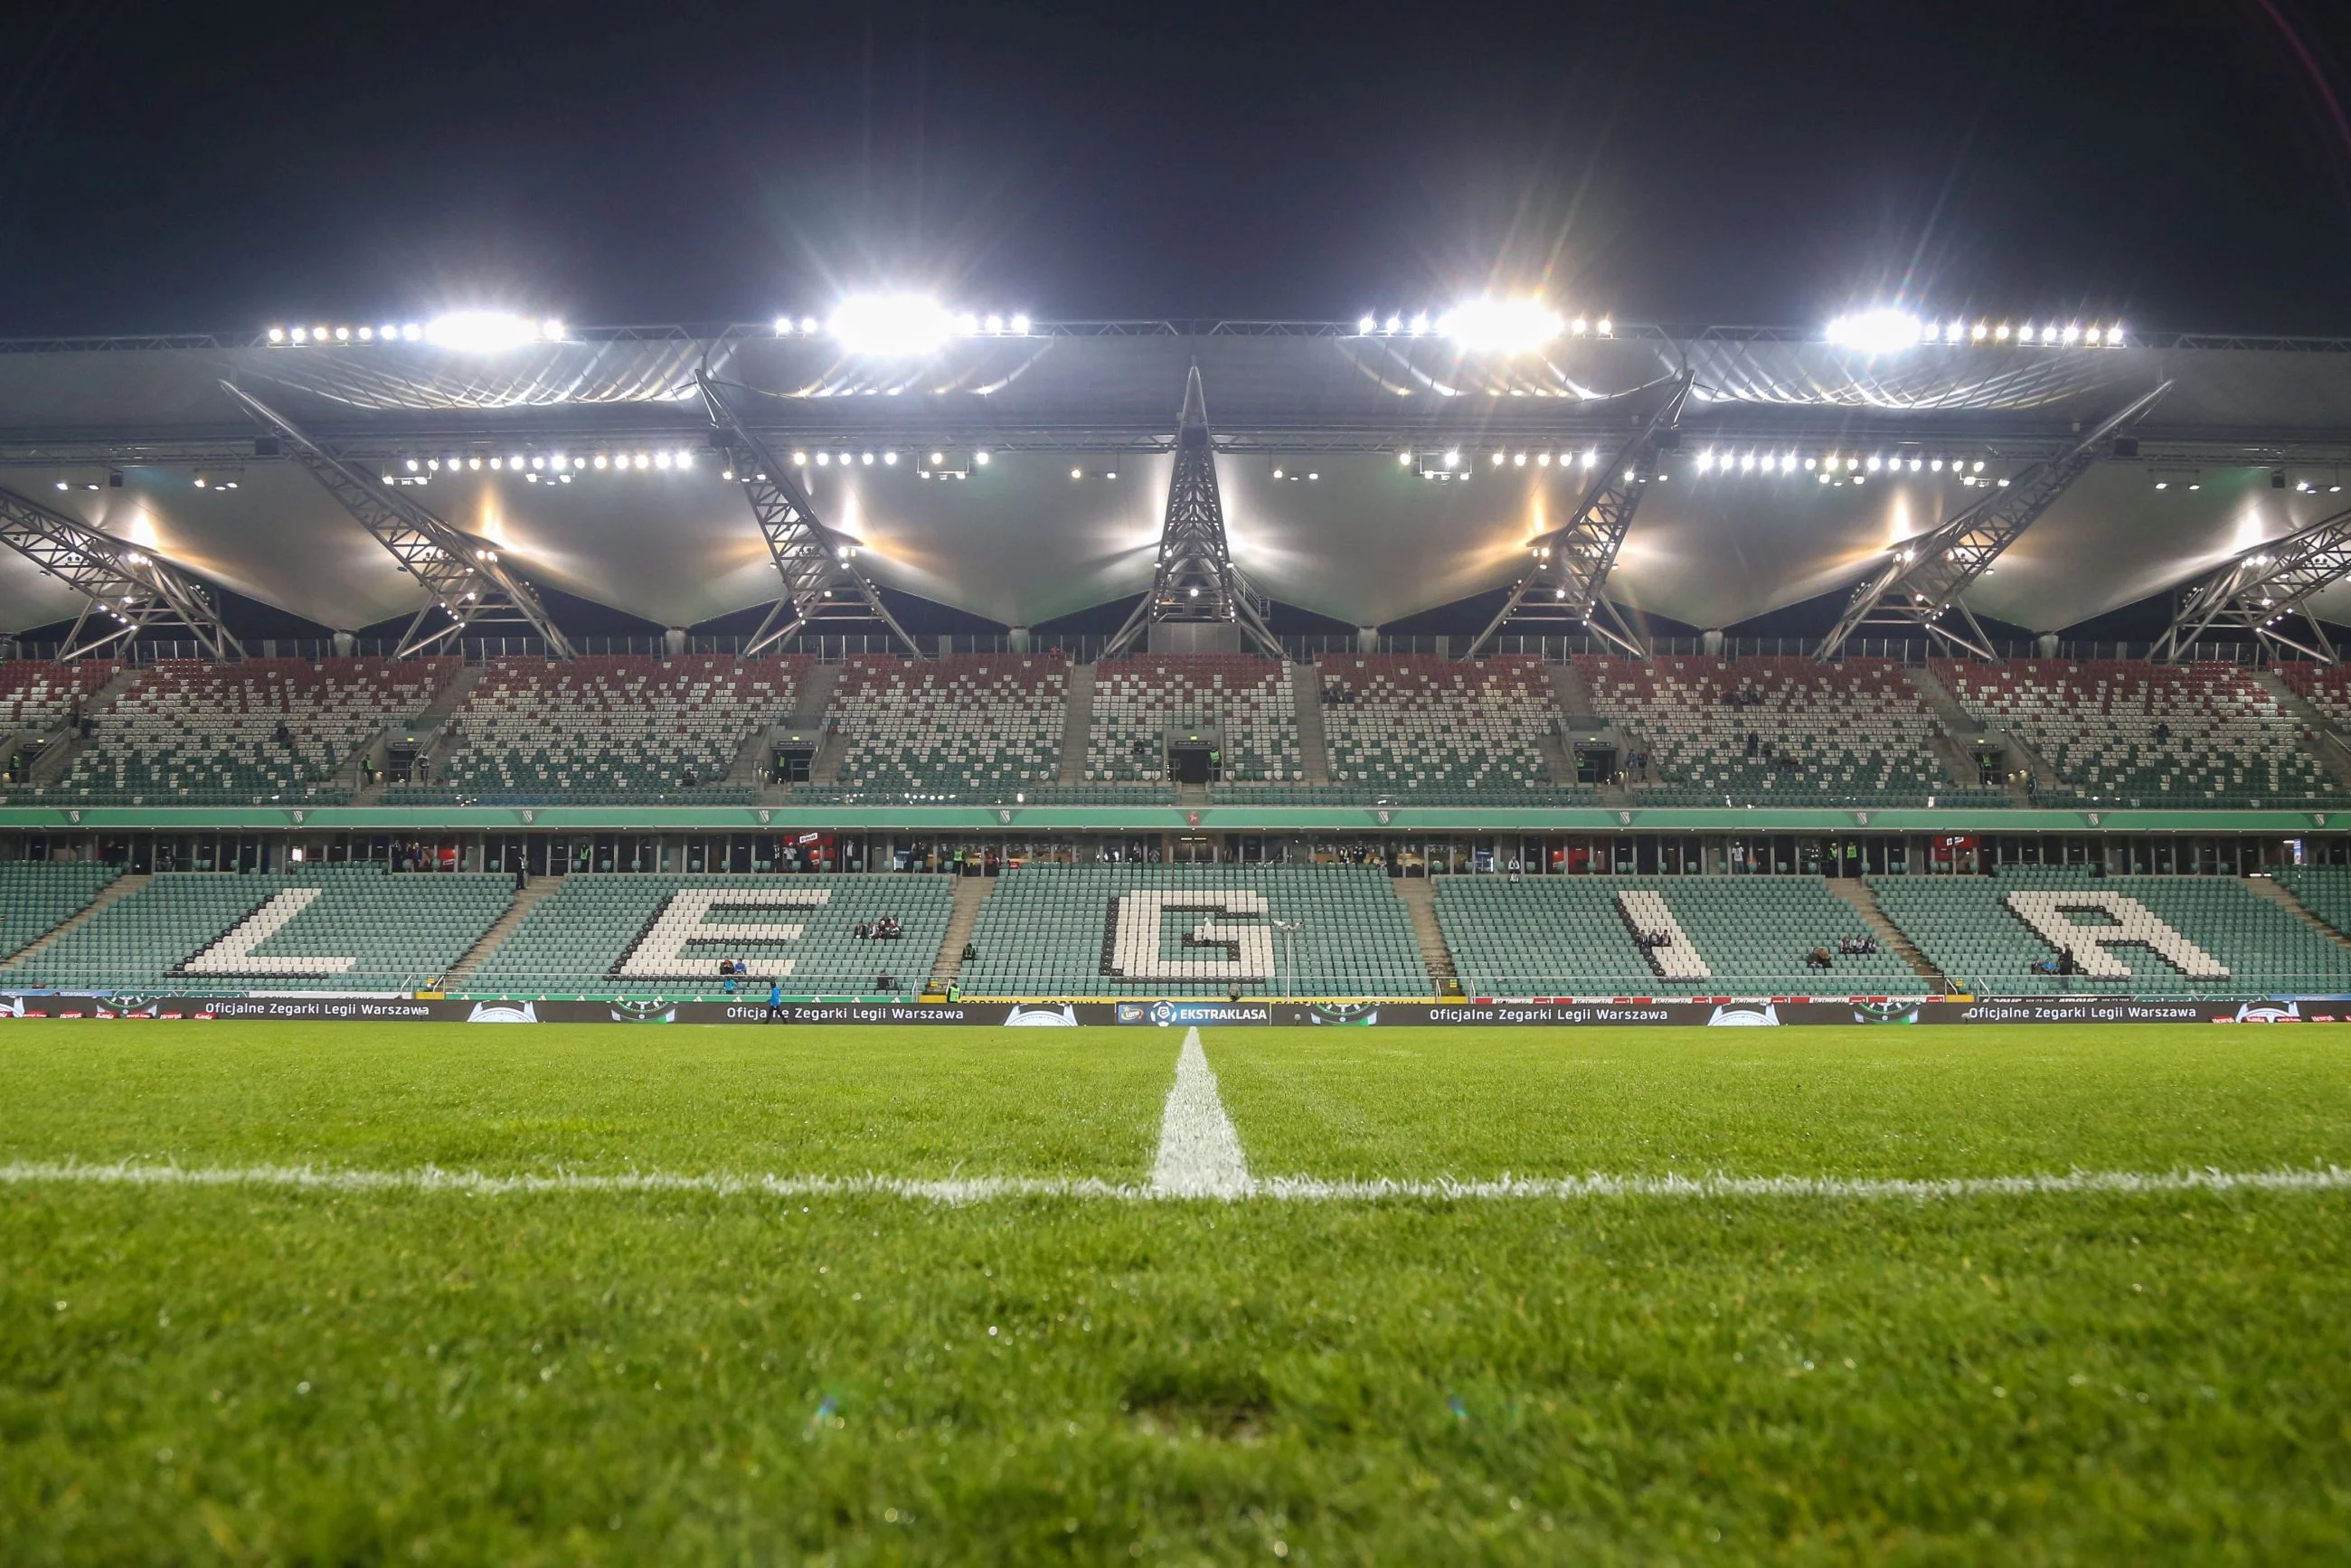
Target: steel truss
point(464, 580)
point(1918, 587)
point(127, 590)
point(823, 581)
point(1569, 579)
point(2264, 590)
point(1195, 581)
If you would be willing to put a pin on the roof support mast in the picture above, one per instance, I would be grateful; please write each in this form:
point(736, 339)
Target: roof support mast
point(822, 581)
point(1918, 587)
point(2264, 590)
point(130, 591)
point(1568, 581)
point(462, 576)
point(1195, 581)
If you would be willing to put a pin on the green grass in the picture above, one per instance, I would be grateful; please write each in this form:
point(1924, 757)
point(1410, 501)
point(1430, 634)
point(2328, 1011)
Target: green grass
point(201, 1374)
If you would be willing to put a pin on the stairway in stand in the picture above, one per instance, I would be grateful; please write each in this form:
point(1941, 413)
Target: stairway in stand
point(1855, 892)
point(2320, 739)
point(2269, 888)
point(970, 892)
point(1419, 895)
point(121, 887)
point(1077, 723)
point(1314, 742)
point(534, 889)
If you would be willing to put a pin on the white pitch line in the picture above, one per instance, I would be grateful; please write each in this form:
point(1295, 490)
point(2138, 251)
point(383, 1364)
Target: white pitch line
point(1280, 1189)
point(1199, 1153)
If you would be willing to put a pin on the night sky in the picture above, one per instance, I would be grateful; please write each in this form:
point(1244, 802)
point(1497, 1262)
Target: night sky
point(198, 167)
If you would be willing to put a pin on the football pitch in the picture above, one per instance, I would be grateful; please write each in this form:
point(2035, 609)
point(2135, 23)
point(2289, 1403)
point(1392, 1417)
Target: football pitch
point(431, 1293)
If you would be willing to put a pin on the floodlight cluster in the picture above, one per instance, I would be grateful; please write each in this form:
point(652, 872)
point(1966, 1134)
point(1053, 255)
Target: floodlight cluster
point(1890, 330)
point(473, 330)
point(899, 324)
point(1488, 325)
point(536, 467)
point(1836, 467)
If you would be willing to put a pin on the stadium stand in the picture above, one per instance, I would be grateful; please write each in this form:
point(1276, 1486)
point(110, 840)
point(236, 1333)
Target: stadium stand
point(263, 730)
point(1137, 701)
point(332, 927)
point(964, 728)
point(38, 896)
point(37, 694)
point(1731, 935)
point(616, 934)
point(609, 730)
point(1436, 731)
point(2202, 734)
point(1981, 932)
point(1124, 930)
point(1821, 734)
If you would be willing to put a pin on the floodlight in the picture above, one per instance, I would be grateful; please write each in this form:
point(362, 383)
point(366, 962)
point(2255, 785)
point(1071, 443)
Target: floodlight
point(277, 334)
point(1980, 332)
point(660, 460)
point(1498, 459)
point(342, 334)
point(1403, 459)
point(1077, 473)
point(1453, 460)
point(1881, 331)
point(891, 324)
point(891, 458)
point(869, 460)
point(968, 324)
point(1395, 323)
point(1019, 326)
point(1606, 328)
point(995, 322)
point(783, 326)
point(1500, 326)
point(367, 334)
point(2072, 333)
point(318, 334)
point(1364, 327)
point(1579, 326)
point(483, 331)
point(980, 458)
point(1419, 323)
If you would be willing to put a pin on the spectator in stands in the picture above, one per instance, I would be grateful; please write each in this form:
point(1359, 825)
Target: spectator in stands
point(2162, 733)
point(1818, 959)
point(862, 931)
point(2044, 966)
point(775, 1000)
point(1754, 743)
point(2066, 965)
point(971, 953)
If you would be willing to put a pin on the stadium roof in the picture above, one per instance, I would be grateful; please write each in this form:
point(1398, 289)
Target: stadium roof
point(1328, 434)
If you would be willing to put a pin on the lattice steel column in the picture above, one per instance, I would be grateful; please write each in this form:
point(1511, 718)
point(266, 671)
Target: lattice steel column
point(1569, 579)
point(1195, 581)
point(129, 590)
point(1918, 587)
point(823, 581)
point(2264, 590)
point(465, 582)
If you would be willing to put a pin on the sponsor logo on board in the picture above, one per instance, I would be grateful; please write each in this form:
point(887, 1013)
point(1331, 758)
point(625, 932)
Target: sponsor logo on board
point(1065, 1016)
point(503, 1012)
point(1765, 1017)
